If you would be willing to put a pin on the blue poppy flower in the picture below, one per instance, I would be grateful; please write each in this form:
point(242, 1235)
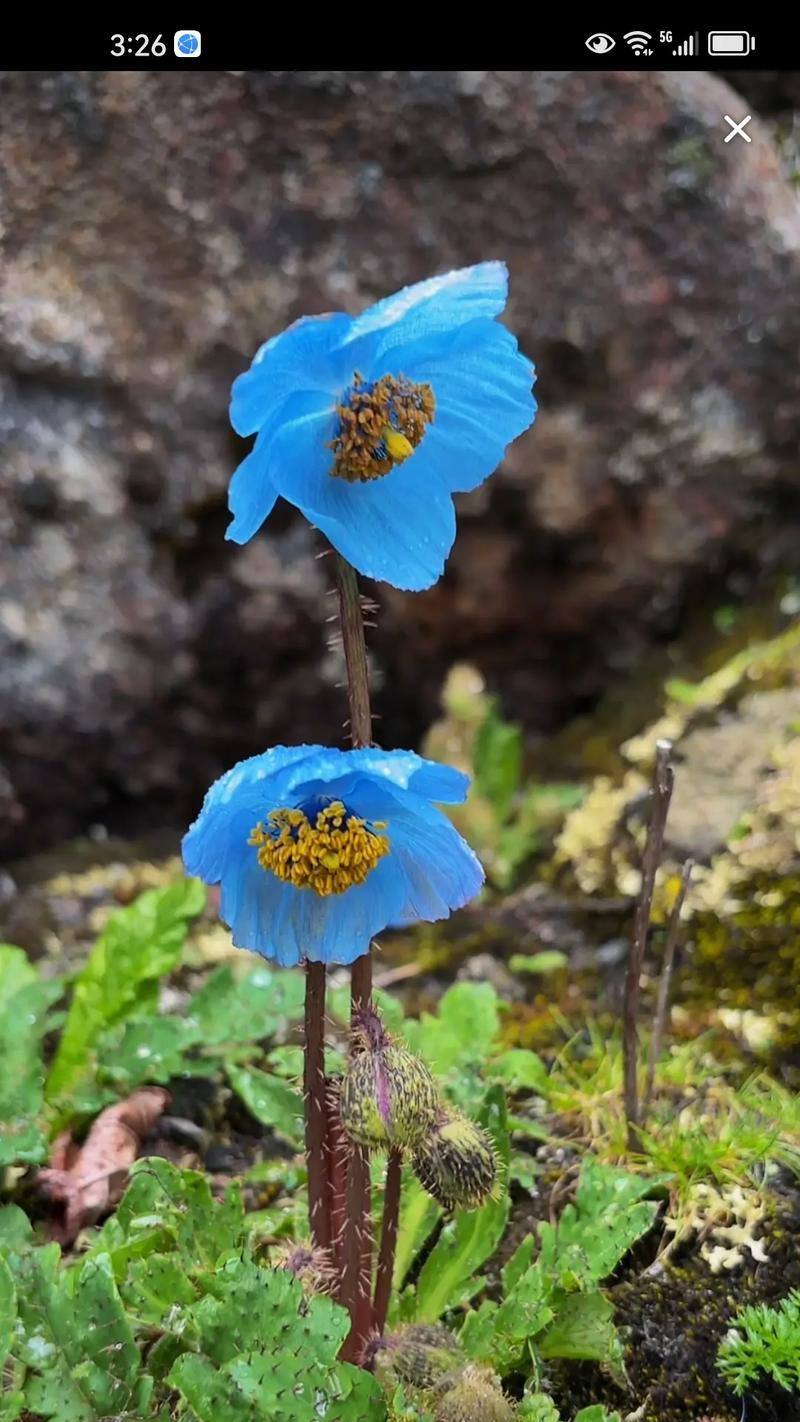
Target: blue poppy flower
point(370, 424)
point(317, 850)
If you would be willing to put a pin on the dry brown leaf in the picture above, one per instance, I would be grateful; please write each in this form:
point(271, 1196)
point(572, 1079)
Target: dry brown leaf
point(87, 1181)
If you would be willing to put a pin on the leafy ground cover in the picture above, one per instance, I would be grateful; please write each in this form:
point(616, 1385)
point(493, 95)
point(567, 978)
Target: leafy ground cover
point(188, 1300)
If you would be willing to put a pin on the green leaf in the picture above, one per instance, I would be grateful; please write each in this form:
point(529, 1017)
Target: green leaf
point(497, 761)
point(546, 962)
point(16, 1230)
point(156, 1286)
point(520, 1070)
point(583, 1328)
point(24, 1004)
point(166, 1207)
point(448, 1277)
point(273, 1101)
point(149, 1049)
point(230, 1009)
point(268, 1352)
point(419, 1215)
point(538, 1407)
point(519, 1264)
point(596, 1413)
point(8, 1310)
point(462, 1031)
point(16, 972)
point(76, 1341)
point(595, 1233)
point(138, 945)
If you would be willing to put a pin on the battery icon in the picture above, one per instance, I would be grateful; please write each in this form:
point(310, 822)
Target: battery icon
point(730, 43)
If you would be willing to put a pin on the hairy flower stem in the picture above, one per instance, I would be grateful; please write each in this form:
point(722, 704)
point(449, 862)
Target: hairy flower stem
point(391, 1216)
point(356, 1287)
point(661, 794)
point(316, 1107)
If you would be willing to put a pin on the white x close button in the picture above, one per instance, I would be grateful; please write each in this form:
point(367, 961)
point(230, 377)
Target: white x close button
point(737, 128)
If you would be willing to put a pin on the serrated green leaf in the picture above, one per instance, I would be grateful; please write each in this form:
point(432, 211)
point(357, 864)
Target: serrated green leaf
point(166, 1209)
point(583, 1328)
point(75, 1340)
point(157, 1286)
point(273, 1101)
point(594, 1234)
point(269, 1352)
point(449, 1275)
point(139, 944)
point(210, 1394)
point(596, 1413)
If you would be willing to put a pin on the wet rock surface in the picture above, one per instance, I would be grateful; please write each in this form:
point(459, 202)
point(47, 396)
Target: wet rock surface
point(158, 227)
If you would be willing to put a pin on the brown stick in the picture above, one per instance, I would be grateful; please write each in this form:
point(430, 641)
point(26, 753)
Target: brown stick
point(391, 1219)
point(316, 1107)
point(356, 1286)
point(662, 1003)
point(661, 794)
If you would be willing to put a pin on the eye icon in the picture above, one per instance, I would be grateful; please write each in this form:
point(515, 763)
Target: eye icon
point(600, 43)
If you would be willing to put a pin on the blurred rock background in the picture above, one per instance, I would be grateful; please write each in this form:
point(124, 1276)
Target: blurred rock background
point(157, 227)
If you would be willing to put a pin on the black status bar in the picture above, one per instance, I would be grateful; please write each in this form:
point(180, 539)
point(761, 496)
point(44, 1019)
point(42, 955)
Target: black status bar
point(78, 44)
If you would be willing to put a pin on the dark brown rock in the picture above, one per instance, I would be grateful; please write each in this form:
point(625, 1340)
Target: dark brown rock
point(159, 226)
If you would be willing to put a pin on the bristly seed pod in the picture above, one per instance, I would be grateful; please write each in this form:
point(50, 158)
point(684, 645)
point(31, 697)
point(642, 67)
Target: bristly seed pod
point(389, 1097)
point(419, 1355)
point(474, 1396)
point(313, 1268)
point(456, 1162)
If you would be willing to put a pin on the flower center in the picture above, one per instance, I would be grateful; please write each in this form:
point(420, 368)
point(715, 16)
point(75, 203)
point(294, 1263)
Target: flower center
point(320, 846)
point(381, 423)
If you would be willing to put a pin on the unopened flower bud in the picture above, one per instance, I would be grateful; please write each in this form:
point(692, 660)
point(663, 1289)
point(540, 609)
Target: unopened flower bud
point(389, 1097)
point(456, 1161)
point(313, 1268)
point(474, 1396)
point(419, 1355)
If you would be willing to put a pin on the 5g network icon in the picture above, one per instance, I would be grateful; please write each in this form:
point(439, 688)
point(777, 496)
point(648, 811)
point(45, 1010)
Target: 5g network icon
point(187, 44)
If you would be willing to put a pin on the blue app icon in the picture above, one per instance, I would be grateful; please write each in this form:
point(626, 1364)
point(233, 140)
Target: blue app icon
point(187, 44)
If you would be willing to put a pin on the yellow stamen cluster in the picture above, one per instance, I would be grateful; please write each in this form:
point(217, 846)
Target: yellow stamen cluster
point(329, 856)
point(380, 425)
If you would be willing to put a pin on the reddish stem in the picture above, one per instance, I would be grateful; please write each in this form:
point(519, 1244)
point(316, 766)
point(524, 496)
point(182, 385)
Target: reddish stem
point(391, 1218)
point(316, 1107)
point(356, 1288)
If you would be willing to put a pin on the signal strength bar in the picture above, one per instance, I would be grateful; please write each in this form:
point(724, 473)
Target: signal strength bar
point(689, 46)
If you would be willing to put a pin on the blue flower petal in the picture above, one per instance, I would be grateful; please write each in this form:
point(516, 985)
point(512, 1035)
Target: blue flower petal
point(300, 430)
point(245, 785)
point(428, 871)
point(436, 867)
point(484, 400)
point(435, 305)
point(251, 495)
point(398, 529)
point(300, 358)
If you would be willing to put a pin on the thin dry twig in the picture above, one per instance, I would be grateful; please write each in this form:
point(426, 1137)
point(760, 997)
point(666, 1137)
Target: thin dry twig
point(665, 983)
point(661, 794)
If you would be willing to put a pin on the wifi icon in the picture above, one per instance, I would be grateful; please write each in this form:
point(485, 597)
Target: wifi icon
point(639, 41)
